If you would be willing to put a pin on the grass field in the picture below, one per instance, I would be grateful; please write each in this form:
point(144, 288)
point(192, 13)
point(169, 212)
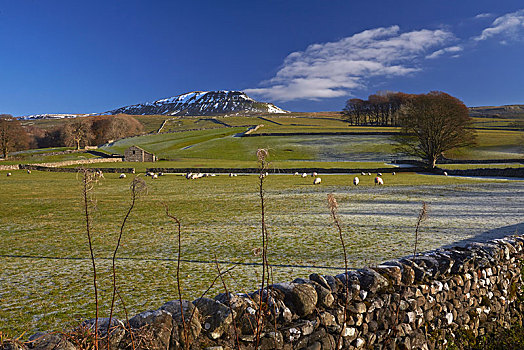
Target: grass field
point(46, 279)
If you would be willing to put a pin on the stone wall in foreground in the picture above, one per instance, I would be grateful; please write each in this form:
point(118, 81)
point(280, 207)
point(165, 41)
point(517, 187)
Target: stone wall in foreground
point(410, 303)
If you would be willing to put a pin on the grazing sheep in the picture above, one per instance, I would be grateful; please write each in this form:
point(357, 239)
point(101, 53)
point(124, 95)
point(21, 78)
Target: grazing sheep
point(369, 174)
point(393, 173)
point(379, 181)
point(356, 180)
point(188, 175)
point(122, 176)
point(314, 174)
point(379, 174)
point(304, 175)
point(317, 181)
point(445, 173)
point(155, 176)
point(296, 174)
point(363, 173)
point(28, 171)
point(8, 174)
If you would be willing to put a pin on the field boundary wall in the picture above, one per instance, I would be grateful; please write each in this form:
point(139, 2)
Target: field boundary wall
point(75, 170)
point(417, 302)
point(320, 171)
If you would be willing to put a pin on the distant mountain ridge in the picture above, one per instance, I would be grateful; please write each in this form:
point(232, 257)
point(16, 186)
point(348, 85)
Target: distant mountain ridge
point(201, 103)
point(507, 111)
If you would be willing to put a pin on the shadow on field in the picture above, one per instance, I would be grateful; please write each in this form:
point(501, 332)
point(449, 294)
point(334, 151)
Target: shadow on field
point(499, 232)
point(17, 256)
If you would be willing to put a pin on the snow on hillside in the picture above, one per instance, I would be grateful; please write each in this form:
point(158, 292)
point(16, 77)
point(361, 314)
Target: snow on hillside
point(201, 103)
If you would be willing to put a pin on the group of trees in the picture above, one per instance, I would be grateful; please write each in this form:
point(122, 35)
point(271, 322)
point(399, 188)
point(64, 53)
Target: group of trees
point(77, 132)
point(81, 132)
point(431, 123)
point(379, 109)
point(13, 136)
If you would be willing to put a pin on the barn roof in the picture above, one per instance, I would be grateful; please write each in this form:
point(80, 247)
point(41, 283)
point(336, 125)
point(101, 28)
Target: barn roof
point(140, 148)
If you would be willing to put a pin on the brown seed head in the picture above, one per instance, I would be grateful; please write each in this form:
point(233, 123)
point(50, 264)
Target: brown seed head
point(138, 186)
point(332, 202)
point(262, 154)
point(423, 214)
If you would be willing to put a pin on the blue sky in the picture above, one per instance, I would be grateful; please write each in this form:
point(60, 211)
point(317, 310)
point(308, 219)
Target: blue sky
point(63, 56)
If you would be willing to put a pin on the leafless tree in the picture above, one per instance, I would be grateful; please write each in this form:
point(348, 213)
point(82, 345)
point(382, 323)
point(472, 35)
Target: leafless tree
point(13, 136)
point(432, 124)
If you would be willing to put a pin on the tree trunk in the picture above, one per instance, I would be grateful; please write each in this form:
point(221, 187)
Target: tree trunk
point(433, 162)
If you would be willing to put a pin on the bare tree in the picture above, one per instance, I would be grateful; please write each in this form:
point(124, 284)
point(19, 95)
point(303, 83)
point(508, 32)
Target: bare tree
point(13, 136)
point(78, 133)
point(432, 124)
point(114, 127)
point(379, 109)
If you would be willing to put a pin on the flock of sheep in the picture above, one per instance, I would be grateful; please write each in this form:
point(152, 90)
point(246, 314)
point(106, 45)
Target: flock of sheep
point(356, 180)
point(191, 176)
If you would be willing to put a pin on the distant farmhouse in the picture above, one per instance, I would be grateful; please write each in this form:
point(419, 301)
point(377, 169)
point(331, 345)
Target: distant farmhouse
point(137, 154)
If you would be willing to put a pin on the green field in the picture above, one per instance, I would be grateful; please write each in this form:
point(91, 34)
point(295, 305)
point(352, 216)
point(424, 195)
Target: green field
point(46, 275)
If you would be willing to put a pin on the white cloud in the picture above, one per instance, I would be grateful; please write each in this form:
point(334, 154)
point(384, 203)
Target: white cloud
point(451, 49)
point(332, 69)
point(483, 15)
point(510, 25)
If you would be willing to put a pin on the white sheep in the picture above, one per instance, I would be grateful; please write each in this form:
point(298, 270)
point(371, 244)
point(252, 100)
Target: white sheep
point(369, 174)
point(379, 174)
point(28, 171)
point(379, 181)
point(356, 180)
point(445, 173)
point(188, 175)
point(154, 176)
point(304, 175)
point(8, 174)
point(363, 173)
point(296, 174)
point(317, 181)
point(122, 176)
point(393, 173)
point(314, 174)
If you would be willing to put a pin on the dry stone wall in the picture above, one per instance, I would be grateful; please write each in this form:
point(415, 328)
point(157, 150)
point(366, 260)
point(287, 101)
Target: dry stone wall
point(411, 303)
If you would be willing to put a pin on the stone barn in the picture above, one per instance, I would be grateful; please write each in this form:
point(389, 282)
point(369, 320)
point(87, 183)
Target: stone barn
point(137, 154)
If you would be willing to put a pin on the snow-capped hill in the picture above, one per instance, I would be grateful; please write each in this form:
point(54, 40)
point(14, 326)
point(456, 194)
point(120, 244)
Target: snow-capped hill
point(50, 116)
point(201, 103)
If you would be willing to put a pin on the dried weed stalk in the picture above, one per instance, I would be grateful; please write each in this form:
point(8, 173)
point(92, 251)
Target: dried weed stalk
point(89, 179)
point(83, 337)
point(422, 216)
point(237, 343)
point(179, 258)
point(263, 165)
point(333, 208)
point(138, 186)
